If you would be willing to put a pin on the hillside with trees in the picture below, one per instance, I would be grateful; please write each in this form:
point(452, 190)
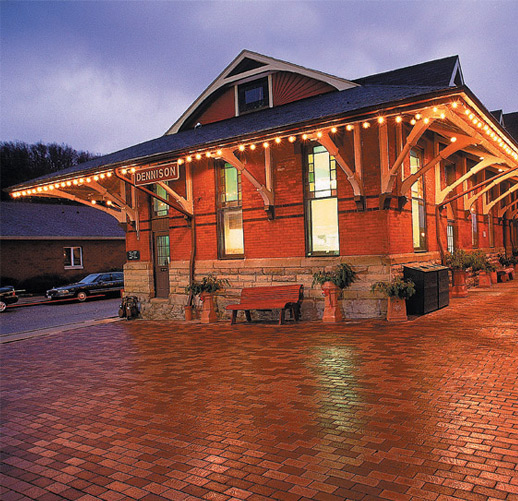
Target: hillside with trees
point(20, 161)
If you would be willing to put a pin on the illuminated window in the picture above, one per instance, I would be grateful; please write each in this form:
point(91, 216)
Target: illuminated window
point(253, 95)
point(160, 209)
point(321, 204)
point(230, 213)
point(418, 203)
point(450, 234)
point(474, 230)
point(73, 257)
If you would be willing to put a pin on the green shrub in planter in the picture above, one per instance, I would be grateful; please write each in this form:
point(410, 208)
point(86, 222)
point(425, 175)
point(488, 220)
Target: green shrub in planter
point(479, 261)
point(209, 284)
point(341, 275)
point(458, 260)
point(397, 288)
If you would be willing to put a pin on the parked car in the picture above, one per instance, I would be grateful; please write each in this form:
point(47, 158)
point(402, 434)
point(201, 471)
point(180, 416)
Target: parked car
point(7, 296)
point(96, 283)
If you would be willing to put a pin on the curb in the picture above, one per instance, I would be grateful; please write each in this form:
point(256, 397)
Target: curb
point(20, 336)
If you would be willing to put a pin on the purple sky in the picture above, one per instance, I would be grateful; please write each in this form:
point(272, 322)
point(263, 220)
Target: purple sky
point(101, 76)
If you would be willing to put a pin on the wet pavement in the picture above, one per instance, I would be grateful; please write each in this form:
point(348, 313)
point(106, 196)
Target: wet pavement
point(427, 409)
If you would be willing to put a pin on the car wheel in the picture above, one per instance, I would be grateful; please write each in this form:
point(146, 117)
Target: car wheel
point(3, 306)
point(81, 296)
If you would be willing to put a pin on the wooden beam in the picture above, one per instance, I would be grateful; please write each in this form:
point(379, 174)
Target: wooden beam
point(228, 156)
point(462, 142)
point(186, 205)
point(388, 180)
point(501, 197)
point(476, 196)
point(483, 164)
point(331, 147)
point(505, 208)
point(119, 216)
point(113, 198)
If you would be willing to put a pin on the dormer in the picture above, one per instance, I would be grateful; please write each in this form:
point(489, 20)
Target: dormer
point(254, 82)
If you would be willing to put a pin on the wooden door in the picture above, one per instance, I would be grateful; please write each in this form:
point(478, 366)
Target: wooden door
point(161, 264)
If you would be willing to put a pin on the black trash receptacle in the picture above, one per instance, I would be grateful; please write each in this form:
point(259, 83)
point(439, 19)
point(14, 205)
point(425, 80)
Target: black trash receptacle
point(431, 288)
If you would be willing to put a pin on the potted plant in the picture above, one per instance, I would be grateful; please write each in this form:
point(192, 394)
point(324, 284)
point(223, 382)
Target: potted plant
point(459, 261)
point(333, 282)
point(398, 290)
point(491, 269)
point(479, 263)
point(205, 290)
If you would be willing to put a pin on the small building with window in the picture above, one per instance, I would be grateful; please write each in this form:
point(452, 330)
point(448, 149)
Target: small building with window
point(65, 240)
point(277, 171)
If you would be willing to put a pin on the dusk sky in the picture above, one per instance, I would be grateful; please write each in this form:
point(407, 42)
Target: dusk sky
point(101, 76)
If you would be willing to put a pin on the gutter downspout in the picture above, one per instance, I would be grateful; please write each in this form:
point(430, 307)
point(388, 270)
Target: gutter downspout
point(190, 221)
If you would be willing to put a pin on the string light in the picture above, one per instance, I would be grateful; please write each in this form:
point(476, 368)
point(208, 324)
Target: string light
point(473, 116)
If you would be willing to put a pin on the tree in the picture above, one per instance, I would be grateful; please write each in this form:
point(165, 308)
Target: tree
point(20, 161)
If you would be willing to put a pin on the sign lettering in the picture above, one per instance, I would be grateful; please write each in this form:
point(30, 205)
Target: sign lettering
point(156, 174)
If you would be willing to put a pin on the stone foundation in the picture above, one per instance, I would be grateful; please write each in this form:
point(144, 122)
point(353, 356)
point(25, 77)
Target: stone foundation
point(357, 301)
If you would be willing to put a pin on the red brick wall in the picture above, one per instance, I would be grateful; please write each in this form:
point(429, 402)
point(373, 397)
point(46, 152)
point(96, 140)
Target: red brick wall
point(371, 232)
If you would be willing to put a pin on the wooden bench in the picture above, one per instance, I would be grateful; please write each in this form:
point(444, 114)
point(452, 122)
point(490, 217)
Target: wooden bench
point(505, 274)
point(281, 297)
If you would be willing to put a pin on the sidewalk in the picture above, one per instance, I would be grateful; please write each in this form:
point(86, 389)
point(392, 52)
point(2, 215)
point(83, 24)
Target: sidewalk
point(359, 410)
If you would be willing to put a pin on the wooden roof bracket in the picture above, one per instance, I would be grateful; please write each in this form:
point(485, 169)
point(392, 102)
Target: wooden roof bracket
point(267, 195)
point(388, 175)
point(501, 197)
point(354, 177)
point(120, 216)
point(492, 184)
point(483, 164)
point(113, 198)
point(406, 185)
point(187, 205)
point(505, 208)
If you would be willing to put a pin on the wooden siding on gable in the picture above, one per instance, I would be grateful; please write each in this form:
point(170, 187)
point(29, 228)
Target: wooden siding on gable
point(289, 87)
point(222, 108)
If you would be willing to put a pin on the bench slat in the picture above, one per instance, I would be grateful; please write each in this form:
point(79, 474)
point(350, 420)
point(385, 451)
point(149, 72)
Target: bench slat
point(267, 298)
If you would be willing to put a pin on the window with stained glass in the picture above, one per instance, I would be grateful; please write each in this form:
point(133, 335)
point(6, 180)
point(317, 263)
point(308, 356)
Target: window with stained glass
point(322, 234)
point(418, 205)
point(230, 212)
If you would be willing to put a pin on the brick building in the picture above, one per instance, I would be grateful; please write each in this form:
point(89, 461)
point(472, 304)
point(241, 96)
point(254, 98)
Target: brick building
point(66, 240)
point(277, 171)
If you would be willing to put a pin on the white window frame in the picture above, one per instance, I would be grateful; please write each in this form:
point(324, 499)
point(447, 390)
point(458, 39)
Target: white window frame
point(73, 265)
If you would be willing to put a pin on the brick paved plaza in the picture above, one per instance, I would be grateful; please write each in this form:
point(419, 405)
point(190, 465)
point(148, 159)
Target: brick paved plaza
point(362, 410)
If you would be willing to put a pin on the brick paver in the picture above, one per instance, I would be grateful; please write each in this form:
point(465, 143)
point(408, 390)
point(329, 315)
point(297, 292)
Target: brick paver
point(362, 410)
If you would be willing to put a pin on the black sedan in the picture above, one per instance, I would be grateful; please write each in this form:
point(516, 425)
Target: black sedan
point(96, 283)
point(7, 296)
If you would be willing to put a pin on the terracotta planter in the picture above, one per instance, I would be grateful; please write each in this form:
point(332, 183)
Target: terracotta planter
point(459, 289)
point(208, 313)
point(494, 277)
point(188, 313)
point(332, 310)
point(484, 279)
point(396, 310)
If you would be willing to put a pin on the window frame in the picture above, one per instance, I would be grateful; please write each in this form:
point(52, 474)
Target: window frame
point(242, 88)
point(310, 195)
point(225, 207)
point(73, 265)
point(421, 203)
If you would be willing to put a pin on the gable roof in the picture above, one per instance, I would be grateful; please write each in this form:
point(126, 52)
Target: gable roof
point(444, 72)
point(52, 221)
point(353, 101)
point(511, 123)
point(248, 64)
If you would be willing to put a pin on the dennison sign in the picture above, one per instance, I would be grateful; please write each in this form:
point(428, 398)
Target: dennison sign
point(156, 174)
